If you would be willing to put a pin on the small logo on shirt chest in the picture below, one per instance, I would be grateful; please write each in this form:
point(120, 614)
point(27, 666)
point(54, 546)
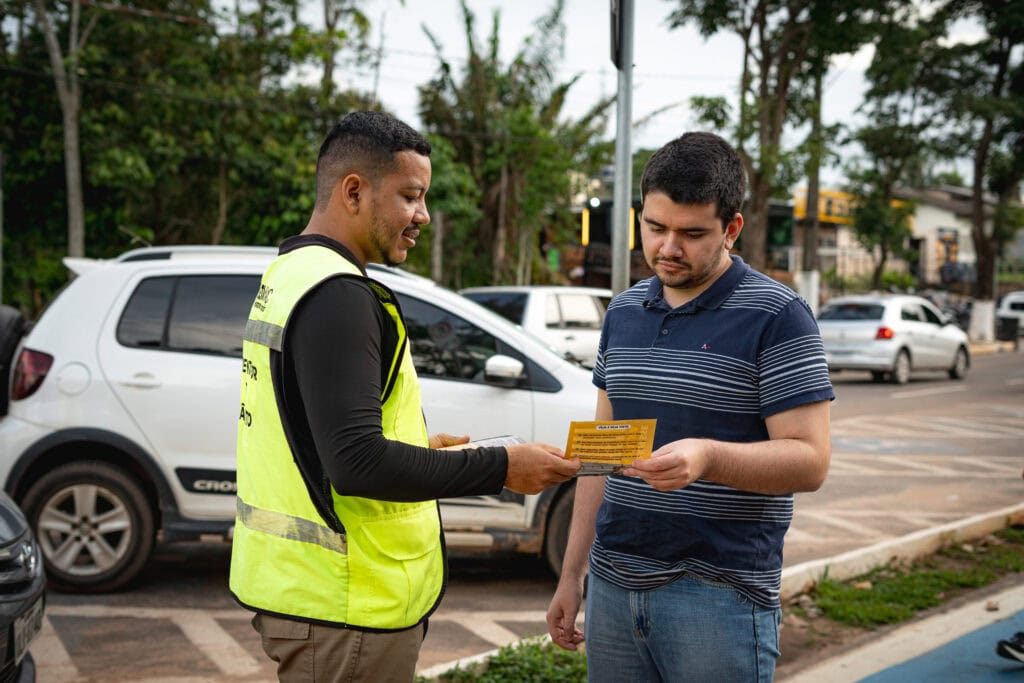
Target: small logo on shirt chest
point(705, 347)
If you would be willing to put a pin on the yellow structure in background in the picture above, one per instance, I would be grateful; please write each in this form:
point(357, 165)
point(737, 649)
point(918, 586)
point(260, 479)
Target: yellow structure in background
point(833, 206)
point(585, 227)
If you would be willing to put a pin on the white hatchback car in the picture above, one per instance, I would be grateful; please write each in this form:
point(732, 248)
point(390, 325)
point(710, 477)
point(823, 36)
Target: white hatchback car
point(124, 401)
point(1011, 305)
point(891, 336)
point(567, 318)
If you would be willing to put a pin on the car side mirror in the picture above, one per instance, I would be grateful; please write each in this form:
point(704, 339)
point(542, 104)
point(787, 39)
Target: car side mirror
point(504, 371)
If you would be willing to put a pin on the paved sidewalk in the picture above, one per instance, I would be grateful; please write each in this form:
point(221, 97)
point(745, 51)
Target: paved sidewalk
point(947, 648)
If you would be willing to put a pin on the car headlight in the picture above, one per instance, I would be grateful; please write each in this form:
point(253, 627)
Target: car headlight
point(20, 564)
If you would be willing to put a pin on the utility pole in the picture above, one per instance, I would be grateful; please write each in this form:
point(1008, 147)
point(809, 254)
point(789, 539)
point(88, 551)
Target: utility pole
point(622, 57)
point(808, 278)
point(1, 225)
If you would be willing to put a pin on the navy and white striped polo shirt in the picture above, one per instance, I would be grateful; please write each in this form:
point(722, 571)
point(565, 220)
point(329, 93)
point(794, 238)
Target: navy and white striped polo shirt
point(744, 349)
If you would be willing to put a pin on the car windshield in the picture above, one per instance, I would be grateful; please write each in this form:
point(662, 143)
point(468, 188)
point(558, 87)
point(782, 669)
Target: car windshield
point(852, 311)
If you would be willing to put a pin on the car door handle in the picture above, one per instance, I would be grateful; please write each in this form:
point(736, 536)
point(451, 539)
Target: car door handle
point(570, 337)
point(141, 380)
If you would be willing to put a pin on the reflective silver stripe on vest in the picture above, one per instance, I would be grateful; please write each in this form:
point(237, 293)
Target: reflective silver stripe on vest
point(291, 528)
point(267, 334)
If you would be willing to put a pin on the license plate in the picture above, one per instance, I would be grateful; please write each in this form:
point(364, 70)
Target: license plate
point(25, 629)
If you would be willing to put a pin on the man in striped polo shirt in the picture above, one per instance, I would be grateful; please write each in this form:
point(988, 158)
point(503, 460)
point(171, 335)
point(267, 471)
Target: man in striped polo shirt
point(684, 550)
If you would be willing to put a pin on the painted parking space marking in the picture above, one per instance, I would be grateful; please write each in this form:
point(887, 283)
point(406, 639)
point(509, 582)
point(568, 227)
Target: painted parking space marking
point(217, 644)
point(928, 468)
point(1001, 465)
point(995, 423)
point(57, 664)
point(841, 522)
point(915, 393)
point(844, 466)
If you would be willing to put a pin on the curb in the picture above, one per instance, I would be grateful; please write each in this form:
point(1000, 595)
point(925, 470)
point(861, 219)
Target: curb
point(980, 348)
point(800, 578)
point(913, 640)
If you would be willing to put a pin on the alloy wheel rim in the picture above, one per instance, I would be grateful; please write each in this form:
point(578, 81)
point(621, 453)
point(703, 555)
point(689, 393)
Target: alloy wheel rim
point(84, 530)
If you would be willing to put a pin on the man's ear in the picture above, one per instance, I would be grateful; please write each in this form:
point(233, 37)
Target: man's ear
point(351, 189)
point(732, 231)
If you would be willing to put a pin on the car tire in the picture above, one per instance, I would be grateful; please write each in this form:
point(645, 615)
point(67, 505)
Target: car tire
point(901, 368)
point(960, 364)
point(556, 535)
point(94, 526)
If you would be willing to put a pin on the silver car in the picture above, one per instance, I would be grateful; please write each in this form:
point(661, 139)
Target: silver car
point(891, 336)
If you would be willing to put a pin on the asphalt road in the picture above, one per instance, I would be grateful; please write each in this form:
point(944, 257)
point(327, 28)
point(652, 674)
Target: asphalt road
point(904, 458)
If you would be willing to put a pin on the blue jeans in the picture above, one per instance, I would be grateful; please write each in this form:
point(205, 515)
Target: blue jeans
point(689, 630)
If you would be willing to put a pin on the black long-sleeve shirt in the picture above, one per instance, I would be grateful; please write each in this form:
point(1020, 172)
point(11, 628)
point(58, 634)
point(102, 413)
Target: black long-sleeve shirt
point(330, 369)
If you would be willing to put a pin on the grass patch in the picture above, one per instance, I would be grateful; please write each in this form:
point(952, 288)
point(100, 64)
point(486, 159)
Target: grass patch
point(892, 594)
point(526, 662)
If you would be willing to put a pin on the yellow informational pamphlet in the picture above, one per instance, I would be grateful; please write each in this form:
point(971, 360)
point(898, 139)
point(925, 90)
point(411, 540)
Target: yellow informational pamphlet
point(607, 447)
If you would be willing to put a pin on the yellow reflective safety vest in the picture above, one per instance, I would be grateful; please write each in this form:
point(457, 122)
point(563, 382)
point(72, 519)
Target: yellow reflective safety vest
point(363, 563)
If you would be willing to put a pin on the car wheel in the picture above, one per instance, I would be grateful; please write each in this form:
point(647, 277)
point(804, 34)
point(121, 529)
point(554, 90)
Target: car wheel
point(94, 526)
point(557, 534)
point(901, 368)
point(959, 369)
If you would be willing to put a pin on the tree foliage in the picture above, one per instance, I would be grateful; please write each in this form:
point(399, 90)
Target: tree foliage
point(505, 124)
point(784, 43)
point(959, 98)
point(191, 129)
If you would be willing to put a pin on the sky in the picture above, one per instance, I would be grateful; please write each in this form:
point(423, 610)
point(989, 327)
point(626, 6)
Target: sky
point(669, 66)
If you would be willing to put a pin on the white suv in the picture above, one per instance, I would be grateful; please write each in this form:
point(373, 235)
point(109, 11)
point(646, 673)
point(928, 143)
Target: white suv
point(124, 400)
point(568, 319)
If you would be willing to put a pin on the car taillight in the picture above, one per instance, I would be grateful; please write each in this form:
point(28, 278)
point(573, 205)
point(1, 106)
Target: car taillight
point(884, 333)
point(29, 373)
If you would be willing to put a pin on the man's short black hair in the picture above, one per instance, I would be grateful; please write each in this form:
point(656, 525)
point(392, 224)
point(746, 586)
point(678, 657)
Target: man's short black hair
point(363, 142)
point(698, 168)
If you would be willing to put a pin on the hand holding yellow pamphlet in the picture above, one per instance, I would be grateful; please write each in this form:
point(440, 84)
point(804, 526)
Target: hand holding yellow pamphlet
point(606, 447)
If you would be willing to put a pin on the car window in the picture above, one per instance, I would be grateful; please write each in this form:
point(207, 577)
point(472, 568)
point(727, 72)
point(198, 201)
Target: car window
point(445, 345)
point(579, 311)
point(144, 318)
point(930, 315)
point(209, 313)
point(509, 305)
point(911, 312)
point(852, 311)
point(200, 314)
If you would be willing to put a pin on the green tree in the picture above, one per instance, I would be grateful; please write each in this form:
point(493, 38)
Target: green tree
point(504, 125)
point(969, 101)
point(987, 100)
point(786, 45)
point(453, 203)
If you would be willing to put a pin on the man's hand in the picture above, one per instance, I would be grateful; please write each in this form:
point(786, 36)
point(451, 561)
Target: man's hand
point(532, 467)
point(565, 605)
point(445, 440)
point(673, 466)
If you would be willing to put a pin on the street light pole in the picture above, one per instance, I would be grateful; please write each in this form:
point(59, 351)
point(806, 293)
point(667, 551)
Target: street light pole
point(622, 57)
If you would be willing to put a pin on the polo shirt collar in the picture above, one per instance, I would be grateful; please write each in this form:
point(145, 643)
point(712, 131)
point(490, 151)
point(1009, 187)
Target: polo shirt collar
point(712, 297)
